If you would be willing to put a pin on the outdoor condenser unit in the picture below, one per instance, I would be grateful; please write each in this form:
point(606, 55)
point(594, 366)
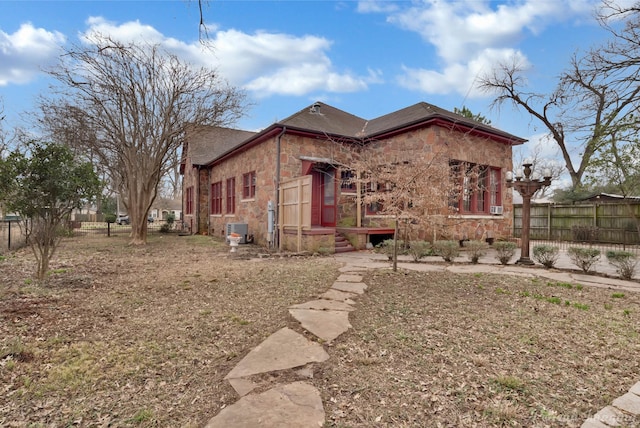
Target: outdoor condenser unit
point(496, 209)
point(241, 229)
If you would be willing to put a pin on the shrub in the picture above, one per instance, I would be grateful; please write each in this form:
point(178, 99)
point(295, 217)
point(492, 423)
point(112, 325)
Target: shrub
point(585, 233)
point(110, 218)
point(165, 228)
point(171, 218)
point(475, 250)
point(584, 258)
point(386, 247)
point(505, 251)
point(448, 250)
point(624, 261)
point(419, 249)
point(546, 255)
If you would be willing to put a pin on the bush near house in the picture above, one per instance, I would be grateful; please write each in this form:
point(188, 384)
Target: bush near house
point(546, 255)
point(475, 250)
point(419, 249)
point(386, 247)
point(584, 258)
point(624, 261)
point(505, 251)
point(448, 250)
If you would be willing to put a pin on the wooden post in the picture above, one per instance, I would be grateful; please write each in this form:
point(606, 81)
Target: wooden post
point(549, 222)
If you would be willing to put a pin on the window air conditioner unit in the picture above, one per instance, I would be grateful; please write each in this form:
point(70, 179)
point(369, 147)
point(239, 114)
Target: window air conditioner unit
point(241, 229)
point(496, 209)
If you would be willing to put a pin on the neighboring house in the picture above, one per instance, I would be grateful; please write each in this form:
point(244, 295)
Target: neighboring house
point(233, 177)
point(610, 198)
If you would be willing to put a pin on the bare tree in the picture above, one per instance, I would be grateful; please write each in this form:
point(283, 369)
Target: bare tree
point(598, 89)
point(539, 164)
point(413, 189)
point(133, 102)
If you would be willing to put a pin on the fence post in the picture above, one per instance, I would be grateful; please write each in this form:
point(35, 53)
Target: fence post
point(549, 221)
point(9, 241)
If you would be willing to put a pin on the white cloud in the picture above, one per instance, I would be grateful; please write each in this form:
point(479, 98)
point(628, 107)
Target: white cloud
point(376, 6)
point(470, 37)
point(459, 77)
point(127, 32)
point(25, 52)
point(459, 29)
point(264, 63)
point(275, 63)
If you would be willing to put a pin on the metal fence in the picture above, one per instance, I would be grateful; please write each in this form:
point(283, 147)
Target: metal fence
point(89, 229)
point(11, 236)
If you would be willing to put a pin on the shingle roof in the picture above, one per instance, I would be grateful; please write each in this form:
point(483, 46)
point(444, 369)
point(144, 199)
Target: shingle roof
point(422, 112)
point(206, 143)
point(323, 118)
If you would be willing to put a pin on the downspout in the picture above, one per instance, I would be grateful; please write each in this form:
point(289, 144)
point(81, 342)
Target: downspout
point(209, 202)
point(276, 231)
point(195, 228)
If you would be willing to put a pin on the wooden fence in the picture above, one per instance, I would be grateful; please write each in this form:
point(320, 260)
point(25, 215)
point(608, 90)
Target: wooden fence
point(597, 223)
point(295, 205)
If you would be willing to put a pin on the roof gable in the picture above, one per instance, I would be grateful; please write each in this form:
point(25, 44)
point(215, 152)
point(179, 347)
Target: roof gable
point(424, 112)
point(207, 143)
point(325, 119)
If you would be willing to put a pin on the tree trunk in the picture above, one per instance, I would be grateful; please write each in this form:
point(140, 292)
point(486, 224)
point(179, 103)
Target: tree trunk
point(395, 247)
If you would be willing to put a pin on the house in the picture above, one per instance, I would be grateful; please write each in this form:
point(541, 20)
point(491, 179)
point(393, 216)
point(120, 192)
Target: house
point(288, 185)
point(609, 198)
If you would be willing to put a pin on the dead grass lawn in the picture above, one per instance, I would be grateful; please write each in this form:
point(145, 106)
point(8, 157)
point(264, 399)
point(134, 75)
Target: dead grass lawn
point(126, 336)
point(477, 350)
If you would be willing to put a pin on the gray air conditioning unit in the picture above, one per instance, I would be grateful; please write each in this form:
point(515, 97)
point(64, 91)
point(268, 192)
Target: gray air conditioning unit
point(496, 209)
point(241, 229)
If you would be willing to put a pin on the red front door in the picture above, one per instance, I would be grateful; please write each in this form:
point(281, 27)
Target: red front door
point(323, 205)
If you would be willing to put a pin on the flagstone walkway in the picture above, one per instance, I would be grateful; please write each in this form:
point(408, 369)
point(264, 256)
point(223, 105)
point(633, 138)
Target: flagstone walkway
point(298, 403)
point(267, 403)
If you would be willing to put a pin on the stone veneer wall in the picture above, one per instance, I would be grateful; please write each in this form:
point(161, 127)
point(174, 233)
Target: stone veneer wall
point(252, 211)
point(189, 179)
point(431, 140)
point(203, 202)
point(316, 241)
point(460, 146)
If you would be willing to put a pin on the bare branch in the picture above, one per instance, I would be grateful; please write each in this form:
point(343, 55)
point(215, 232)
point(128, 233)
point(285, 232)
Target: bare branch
point(127, 105)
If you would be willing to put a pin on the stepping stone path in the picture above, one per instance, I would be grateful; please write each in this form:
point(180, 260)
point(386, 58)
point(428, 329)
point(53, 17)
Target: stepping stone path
point(299, 404)
point(623, 412)
point(295, 404)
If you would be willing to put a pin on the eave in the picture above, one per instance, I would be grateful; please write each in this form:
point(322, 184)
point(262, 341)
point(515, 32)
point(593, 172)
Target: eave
point(447, 123)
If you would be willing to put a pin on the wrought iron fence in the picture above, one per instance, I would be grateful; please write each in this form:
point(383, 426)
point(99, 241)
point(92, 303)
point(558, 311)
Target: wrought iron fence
point(89, 228)
point(11, 235)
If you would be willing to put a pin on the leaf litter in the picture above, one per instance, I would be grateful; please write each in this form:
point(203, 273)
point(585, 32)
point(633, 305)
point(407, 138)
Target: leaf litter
point(125, 336)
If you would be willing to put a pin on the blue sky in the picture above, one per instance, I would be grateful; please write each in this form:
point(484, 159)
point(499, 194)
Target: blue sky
point(368, 58)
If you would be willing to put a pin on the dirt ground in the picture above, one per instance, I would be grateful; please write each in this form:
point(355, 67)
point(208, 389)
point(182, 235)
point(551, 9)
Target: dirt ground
point(123, 337)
